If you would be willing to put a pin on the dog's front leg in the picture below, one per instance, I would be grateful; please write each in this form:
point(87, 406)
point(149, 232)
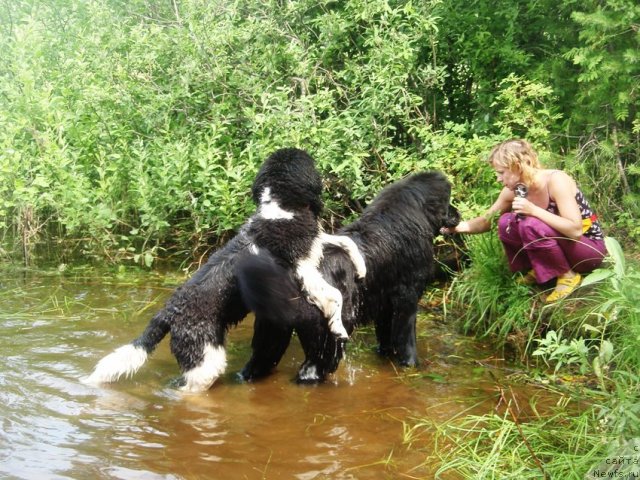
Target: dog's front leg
point(319, 292)
point(322, 350)
point(270, 341)
point(324, 296)
point(404, 338)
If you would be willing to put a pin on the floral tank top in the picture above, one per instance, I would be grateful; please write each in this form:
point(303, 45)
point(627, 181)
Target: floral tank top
point(590, 225)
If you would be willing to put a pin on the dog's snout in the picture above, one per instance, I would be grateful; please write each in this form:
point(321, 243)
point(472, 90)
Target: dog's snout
point(452, 217)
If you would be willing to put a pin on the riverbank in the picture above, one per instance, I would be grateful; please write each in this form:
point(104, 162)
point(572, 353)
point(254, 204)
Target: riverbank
point(586, 347)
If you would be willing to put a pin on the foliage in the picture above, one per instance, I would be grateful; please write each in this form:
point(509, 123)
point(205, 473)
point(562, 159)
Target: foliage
point(526, 109)
point(578, 351)
point(136, 126)
point(609, 57)
point(616, 304)
point(557, 445)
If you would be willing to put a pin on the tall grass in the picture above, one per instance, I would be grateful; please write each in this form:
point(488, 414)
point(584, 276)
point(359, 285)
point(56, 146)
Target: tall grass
point(557, 446)
point(597, 351)
point(492, 304)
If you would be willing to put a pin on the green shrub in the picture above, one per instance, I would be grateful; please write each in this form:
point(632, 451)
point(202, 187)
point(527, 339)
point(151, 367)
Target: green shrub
point(128, 127)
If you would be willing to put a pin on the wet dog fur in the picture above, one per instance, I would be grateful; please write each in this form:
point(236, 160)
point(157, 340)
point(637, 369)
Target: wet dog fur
point(395, 234)
point(285, 228)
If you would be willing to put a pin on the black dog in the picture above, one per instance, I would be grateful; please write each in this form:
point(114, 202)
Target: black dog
point(284, 229)
point(395, 233)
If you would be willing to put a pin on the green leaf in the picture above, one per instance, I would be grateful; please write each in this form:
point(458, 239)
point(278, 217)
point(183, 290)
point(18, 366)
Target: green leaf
point(606, 351)
point(435, 377)
point(597, 275)
point(617, 256)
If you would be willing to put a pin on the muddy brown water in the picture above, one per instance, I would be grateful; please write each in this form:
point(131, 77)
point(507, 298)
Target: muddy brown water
point(55, 327)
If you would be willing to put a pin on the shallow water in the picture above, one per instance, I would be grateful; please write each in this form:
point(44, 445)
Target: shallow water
point(55, 327)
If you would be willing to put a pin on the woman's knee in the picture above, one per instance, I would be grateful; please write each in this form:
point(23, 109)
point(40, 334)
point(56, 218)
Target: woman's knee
point(531, 229)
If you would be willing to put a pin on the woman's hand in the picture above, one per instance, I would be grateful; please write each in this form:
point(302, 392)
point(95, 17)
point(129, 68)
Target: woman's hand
point(522, 206)
point(462, 227)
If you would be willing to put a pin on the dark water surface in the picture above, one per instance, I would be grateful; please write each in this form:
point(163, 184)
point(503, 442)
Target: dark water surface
point(55, 327)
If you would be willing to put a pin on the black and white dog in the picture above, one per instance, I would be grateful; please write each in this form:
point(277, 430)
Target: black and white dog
point(395, 233)
point(287, 191)
point(286, 230)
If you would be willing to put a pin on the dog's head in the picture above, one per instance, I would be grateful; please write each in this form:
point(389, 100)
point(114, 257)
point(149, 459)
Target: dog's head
point(432, 194)
point(423, 196)
point(451, 218)
point(292, 179)
point(439, 201)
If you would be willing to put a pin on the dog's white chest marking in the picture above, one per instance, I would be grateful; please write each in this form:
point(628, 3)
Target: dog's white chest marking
point(270, 209)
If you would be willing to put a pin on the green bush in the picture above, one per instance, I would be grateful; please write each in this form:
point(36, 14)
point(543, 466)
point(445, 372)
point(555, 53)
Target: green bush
point(128, 127)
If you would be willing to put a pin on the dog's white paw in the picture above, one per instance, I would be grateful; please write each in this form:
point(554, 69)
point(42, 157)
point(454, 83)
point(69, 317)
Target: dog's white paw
point(340, 333)
point(202, 377)
point(349, 246)
point(337, 327)
point(361, 267)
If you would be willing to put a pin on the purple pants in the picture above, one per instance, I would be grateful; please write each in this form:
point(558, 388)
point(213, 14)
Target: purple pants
point(532, 244)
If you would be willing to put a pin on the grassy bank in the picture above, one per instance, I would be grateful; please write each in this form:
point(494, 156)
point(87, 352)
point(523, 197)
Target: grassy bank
point(585, 348)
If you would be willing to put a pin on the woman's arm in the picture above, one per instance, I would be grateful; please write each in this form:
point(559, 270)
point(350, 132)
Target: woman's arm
point(562, 189)
point(482, 223)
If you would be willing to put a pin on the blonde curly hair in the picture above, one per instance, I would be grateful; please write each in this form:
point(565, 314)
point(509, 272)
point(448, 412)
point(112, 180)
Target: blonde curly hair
point(517, 156)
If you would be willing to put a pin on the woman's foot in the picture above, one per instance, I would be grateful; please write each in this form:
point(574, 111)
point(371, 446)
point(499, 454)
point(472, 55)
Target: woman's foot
point(565, 285)
point(527, 279)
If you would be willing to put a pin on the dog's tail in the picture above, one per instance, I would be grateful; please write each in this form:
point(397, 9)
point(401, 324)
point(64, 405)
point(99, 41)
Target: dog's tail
point(127, 360)
point(268, 289)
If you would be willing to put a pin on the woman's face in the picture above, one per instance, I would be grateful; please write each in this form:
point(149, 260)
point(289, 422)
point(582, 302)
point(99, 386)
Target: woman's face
point(506, 177)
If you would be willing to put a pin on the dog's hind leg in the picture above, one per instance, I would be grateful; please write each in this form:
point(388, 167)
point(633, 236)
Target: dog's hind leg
point(198, 346)
point(383, 328)
point(201, 377)
point(404, 336)
point(270, 341)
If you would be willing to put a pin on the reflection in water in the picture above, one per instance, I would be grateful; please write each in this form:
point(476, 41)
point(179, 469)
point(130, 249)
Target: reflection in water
point(54, 328)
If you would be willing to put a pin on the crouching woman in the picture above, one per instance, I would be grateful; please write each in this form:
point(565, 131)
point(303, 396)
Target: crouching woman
point(546, 225)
